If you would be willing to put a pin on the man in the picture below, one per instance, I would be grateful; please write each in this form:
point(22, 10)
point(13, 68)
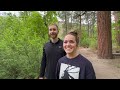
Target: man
point(52, 52)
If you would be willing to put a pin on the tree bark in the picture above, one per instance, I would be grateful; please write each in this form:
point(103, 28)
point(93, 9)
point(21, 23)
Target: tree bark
point(66, 21)
point(117, 26)
point(104, 35)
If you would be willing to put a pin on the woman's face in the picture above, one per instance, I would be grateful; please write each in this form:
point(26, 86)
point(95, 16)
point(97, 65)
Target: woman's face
point(69, 44)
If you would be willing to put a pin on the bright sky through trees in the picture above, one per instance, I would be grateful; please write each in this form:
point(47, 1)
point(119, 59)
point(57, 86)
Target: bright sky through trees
point(17, 13)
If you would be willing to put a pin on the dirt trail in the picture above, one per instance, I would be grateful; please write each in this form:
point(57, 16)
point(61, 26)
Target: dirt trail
point(104, 68)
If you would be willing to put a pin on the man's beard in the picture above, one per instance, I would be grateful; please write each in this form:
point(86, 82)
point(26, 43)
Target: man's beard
point(53, 35)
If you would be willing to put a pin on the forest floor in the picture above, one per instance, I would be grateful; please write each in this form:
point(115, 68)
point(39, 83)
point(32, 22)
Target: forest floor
point(104, 68)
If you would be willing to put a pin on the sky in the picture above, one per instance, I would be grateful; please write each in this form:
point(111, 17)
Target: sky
point(17, 13)
point(13, 12)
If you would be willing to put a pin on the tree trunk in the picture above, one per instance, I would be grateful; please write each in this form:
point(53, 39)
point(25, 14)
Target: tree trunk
point(93, 24)
point(80, 31)
point(117, 27)
point(71, 19)
point(104, 35)
point(87, 19)
point(66, 22)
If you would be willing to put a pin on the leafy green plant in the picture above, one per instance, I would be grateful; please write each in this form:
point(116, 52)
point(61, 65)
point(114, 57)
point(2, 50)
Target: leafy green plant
point(21, 43)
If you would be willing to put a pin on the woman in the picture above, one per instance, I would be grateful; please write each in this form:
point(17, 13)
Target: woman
point(73, 65)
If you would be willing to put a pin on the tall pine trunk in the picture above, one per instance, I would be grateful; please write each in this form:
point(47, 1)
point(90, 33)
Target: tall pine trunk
point(104, 35)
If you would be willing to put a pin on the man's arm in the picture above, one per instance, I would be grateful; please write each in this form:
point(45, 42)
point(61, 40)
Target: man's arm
point(43, 65)
point(57, 71)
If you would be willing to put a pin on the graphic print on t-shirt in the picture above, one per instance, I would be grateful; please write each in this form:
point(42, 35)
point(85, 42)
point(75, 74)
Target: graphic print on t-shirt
point(69, 71)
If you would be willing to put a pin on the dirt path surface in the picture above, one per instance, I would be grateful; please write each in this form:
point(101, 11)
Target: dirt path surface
point(104, 68)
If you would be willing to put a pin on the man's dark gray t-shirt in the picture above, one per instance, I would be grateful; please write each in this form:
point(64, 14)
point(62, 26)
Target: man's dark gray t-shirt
point(52, 52)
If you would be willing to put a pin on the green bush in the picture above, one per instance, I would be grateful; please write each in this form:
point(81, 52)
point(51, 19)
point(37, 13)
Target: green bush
point(85, 42)
point(21, 43)
point(93, 43)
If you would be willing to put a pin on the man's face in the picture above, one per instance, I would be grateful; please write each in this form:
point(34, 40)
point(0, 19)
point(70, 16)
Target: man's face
point(53, 31)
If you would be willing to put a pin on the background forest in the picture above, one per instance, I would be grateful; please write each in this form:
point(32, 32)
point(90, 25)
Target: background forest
point(22, 37)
